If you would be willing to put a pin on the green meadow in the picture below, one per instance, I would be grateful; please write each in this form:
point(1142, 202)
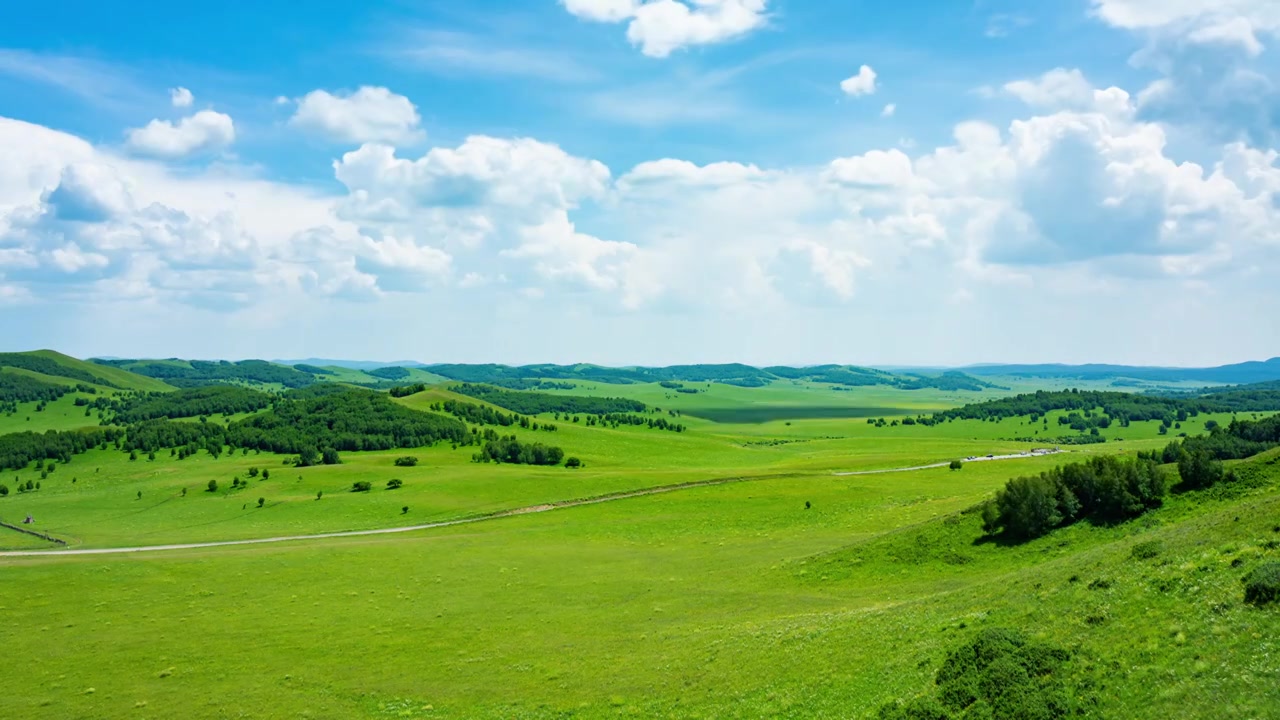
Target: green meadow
point(760, 582)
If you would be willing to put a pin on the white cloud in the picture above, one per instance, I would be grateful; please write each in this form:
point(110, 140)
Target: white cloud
point(876, 169)
point(181, 97)
point(1210, 22)
point(205, 131)
point(1058, 88)
point(864, 83)
point(370, 114)
point(889, 110)
point(660, 27)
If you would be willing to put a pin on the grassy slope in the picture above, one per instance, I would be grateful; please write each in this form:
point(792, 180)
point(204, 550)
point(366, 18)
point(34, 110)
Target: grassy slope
point(123, 379)
point(728, 601)
point(102, 507)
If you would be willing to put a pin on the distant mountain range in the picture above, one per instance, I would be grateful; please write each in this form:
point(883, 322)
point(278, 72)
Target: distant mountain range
point(158, 374)
point(1237, 374)
point(349, 364)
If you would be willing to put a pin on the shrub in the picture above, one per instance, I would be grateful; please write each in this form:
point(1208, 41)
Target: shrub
point(266, 474)
point(262, 501)
point(1146, 550)
point(394, 484)
point(253, 471)
point(956, 465)
point(406, 461)
point(573, 462)
point(404, 510)
point(999, 675)
point(4, 490)
point(213, 486)
point(330, 457)
point(1262, 586)
point(361, 486)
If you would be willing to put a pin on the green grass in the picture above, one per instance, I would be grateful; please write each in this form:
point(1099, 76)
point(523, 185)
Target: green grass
point(716, 601)
point(122, 379)
point(660, 606)
point(61, 414)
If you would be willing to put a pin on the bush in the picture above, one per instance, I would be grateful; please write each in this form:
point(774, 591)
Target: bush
point(4, 490)
point(999, 675)
point(406, 461)
point(956, 465)
point(262, 501)
point(213, 486)
point(330, 457)
point(573, 462)
point(394, 484)
point(1262, 586)
point(361, 486)
point(1146, 550)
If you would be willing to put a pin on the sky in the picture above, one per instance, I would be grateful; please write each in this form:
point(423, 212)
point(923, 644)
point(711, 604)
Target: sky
point(626, 182)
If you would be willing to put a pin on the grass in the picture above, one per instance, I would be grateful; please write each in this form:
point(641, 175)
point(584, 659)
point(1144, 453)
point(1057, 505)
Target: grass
point(797, 594)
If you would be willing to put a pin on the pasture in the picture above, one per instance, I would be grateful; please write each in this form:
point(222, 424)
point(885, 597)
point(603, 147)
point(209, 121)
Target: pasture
point(770, 587)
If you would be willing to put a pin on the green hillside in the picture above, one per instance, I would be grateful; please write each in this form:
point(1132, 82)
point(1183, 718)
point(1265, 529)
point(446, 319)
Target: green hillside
point(64, 368)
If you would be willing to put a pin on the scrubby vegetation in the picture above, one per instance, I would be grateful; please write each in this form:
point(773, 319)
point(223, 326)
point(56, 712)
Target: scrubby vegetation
point(999, 675)
point(1262, 586)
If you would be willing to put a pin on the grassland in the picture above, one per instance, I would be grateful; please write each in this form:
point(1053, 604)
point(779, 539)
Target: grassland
point(792, 592)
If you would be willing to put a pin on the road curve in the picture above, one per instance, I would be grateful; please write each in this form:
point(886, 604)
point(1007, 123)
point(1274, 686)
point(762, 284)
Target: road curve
point(479, 518)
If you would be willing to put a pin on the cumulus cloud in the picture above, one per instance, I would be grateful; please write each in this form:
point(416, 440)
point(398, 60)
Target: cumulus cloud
point(661, 27)
point(1209, 22)
point(205, 131)
point(864, 83)
point(181, 97)
point(370, 114)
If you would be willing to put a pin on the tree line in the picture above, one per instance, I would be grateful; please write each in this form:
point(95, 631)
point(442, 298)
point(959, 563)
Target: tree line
point(536, 403)
point(1119, 407)
point(183, 403)
point(17, 450)
point(1102, 489)
point(15, 388)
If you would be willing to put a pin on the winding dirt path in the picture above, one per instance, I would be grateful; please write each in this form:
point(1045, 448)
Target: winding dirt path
point(547, 507)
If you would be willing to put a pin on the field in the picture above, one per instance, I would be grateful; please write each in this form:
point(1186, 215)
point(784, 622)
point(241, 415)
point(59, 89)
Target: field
point(769, 586)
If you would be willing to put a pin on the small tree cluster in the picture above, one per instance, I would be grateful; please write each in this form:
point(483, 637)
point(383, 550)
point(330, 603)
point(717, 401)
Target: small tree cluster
point(1104, 489)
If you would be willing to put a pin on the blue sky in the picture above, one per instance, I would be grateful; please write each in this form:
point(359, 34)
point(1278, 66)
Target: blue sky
point(643, 181)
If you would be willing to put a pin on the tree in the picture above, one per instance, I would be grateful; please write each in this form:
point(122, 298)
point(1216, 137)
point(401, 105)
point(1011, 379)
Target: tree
point(319, 494)
point(266, 474)
point(1199, 469)
point(4, 490)
point(262, 501)
point(253, 471)
point(573, 462)
point(361, 486)
point(406, 461)
point(308, 456)
point(394, 484)
point(133, 455)
point(404, 510)
point(213, 486)
point(331, 457)
point(956, 465)
point(139, 494)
